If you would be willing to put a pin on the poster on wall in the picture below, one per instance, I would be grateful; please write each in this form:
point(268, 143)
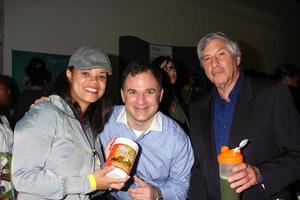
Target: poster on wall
point(55, 63)
point(159, 50)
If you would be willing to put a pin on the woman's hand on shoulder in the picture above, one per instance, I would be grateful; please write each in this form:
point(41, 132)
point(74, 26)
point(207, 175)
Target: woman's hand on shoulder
point(40, 100)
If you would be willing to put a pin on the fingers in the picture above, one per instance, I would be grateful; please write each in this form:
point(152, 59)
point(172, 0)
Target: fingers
point(116, 186)
point(40, 100)
point(106, 182)
point(142, 193)
point(244, 177)
point(136, 191)
point(108, 147)
point(105, 170)
point(110, 143)
point(137, 196)
point(117, 183)
point(239, 167)
point(140, 182)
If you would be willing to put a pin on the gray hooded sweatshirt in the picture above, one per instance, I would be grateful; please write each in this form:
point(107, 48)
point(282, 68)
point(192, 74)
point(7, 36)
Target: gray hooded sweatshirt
point(52, 155)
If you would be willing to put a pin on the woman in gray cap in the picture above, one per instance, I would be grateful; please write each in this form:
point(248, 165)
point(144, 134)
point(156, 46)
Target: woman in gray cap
point(56, 154)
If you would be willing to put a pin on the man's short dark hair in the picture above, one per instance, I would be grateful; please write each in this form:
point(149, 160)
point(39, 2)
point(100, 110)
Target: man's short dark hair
point(136, 68)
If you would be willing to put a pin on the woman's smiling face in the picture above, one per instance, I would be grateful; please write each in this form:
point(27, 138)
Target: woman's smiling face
point(87, 86)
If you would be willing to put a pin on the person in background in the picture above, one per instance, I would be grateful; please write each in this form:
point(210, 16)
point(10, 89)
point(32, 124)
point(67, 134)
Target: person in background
point(56, 154)
point(172, 103)
point(239, 107)
point(194, 88)
point(166, 156)
point(289, 74)
point(6, 134)
point(38, 77)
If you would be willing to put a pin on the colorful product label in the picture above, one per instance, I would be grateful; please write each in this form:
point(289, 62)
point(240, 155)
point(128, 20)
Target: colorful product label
point(122, 156)
point(5, 170)
point(5, 163)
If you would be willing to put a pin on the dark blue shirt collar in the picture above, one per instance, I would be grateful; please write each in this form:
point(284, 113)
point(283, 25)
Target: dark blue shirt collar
point(223, 115)
point(234, 91)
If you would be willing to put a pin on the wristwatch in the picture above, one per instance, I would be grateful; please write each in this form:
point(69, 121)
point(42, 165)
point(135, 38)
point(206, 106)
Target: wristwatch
point(159, 195)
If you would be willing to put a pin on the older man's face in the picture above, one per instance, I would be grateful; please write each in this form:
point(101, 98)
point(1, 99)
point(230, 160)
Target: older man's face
point(220, 65)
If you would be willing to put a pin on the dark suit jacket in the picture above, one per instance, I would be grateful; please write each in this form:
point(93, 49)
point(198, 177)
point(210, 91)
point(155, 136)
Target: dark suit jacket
point(264, 114)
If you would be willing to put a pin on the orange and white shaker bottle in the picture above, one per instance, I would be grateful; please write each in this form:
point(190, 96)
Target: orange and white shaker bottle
point(228, 158)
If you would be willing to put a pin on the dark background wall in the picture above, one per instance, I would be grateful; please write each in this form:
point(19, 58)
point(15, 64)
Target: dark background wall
point(268, 30)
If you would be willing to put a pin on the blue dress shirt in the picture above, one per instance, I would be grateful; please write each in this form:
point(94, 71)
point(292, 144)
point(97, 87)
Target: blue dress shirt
point(166, 154)
point(223, 114)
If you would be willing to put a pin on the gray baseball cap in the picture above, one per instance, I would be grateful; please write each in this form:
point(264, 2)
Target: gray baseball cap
point(89, 58)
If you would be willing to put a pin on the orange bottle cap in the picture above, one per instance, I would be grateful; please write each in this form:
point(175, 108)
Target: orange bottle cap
point(229, 156)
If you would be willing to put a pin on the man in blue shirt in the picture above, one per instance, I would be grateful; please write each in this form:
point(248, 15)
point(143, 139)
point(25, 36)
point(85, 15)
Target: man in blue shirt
point(239, 107)
point(163, 167)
